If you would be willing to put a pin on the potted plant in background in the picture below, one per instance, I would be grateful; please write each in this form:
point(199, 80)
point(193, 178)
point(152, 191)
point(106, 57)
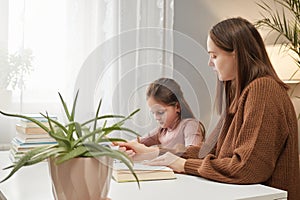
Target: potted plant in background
point(80, 164)
point(285, 21)
point(14, 68)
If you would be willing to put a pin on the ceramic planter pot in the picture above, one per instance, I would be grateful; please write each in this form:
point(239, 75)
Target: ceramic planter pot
point(81, 178)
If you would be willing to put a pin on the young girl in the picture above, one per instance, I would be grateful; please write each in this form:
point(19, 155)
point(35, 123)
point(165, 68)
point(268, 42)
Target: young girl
point(177, 124)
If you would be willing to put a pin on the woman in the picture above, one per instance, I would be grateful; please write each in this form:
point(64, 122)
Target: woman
point(256, 138)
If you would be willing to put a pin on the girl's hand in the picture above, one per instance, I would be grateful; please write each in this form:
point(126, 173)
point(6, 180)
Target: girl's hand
point(138, 151)
point(170, 160)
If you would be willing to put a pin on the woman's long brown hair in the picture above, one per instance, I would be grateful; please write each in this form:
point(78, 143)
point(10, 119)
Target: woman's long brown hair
point(240, 36)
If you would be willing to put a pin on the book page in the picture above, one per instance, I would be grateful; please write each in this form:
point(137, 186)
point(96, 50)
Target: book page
point(140, 167)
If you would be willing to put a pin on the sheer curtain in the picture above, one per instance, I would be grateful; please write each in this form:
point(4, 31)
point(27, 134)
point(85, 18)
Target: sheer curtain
point(60, 34)
point(109, 49)
point(38, 26)
point(137, 50)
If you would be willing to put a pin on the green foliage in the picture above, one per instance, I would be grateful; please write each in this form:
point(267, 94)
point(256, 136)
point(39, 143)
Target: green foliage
point(75, 139)
point(285, 21)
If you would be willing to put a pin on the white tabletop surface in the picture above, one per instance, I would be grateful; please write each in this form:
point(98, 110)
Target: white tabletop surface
point(34, 183)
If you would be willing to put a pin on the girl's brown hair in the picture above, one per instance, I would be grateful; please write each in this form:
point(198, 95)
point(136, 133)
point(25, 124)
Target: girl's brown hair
point(168, 91)
point(240, 36)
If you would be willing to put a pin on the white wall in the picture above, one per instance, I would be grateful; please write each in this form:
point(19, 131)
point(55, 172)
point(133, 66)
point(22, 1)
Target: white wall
point(190, 19)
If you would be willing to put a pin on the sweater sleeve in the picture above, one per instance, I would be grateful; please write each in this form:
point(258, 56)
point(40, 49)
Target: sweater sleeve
point(250, 147)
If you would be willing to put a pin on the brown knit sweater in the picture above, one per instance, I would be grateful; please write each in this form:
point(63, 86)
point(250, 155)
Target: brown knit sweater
point(258, 144)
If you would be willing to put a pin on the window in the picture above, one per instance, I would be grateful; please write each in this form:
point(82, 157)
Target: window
point(63, 33)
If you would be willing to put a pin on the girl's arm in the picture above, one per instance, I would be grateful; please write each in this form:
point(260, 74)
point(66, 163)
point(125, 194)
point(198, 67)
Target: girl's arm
point(138, 151)
point(152, 138)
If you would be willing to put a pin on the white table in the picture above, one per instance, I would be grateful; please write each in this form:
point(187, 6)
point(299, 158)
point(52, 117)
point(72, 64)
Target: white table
point(33, 183)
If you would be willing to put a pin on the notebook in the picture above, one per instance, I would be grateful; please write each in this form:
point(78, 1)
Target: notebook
point(121, 173)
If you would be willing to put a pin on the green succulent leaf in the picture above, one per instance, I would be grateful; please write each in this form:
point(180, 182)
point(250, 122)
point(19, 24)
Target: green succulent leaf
point(24, 160)
point(111, 140)
point(74, 107)
point(97, 113)
point(102, 117)
point(54, 151)
point(77, 152)
point(108, 130)
point(28, 118)
point(58, 124)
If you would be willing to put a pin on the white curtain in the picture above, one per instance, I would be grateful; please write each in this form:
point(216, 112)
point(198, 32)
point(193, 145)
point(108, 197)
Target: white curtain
point(137, 50)
point(109, 49)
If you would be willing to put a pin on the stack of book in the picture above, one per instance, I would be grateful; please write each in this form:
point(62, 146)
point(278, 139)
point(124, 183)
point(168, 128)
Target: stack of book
point(29, 136)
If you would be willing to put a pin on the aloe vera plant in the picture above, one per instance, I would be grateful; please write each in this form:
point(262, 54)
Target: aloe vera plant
point(75, 139)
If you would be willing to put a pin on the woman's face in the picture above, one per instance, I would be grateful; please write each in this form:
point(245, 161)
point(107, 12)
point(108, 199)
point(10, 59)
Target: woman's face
point(221, 61)
point(165, 115)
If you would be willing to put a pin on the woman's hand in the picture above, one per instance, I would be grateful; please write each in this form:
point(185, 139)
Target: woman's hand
point(138, 151)
point(170, 160)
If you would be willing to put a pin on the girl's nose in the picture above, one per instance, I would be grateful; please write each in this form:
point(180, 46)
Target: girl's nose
point(157, 116)
point(210, 63)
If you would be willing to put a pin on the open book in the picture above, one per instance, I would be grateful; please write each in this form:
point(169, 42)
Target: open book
point(144, 172)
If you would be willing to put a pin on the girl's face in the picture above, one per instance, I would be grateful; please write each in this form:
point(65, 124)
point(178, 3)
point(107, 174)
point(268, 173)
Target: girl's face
point(223, 62)
point(165, 115)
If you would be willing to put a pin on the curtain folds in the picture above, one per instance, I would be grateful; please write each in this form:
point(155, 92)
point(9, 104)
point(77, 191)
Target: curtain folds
point(137, 50)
